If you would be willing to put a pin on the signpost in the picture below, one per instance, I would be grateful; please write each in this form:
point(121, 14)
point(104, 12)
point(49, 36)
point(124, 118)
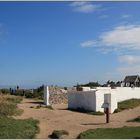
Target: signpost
point(106, 108)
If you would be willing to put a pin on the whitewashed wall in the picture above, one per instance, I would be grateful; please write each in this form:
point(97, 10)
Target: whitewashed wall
point(82, 99)
point(93, 100)
point(124, 93)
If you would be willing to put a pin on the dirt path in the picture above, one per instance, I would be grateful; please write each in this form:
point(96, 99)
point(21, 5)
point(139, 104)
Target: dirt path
point(73, 122)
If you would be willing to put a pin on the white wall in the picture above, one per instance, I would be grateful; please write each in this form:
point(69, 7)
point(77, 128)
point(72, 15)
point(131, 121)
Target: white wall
point(124, 93)
point(93, 100)
point(90, 100)
point(82, 99)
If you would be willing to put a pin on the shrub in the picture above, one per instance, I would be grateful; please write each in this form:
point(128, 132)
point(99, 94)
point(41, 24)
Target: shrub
point(4, 91)
point(57, 134)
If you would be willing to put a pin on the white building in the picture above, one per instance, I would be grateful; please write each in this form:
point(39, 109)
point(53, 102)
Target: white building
point(93, 100)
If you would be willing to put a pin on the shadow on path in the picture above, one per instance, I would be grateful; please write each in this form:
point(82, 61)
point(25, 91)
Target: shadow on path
point(36, 103)
point(93, 124)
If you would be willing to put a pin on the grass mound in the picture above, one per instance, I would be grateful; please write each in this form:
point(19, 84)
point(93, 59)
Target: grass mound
point(8, 105)
point(135, 120)
point(13, 99)
point(127, 104)
point(111, 133)
point(17, 129)
point(57, 134)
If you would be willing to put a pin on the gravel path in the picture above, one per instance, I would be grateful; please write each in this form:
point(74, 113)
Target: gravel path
point(73, 122)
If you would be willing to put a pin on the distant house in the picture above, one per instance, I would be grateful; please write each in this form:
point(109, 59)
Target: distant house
point(132, 81)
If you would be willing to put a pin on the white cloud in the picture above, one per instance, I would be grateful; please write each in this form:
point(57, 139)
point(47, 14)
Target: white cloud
point(120, 38)
point(126, 70)
point(104, 16)
point(129, 59)
point(125, 16)
point(89, 43)
point(84, 7)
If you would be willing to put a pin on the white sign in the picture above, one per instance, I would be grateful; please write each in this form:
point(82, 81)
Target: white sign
point(105, 105)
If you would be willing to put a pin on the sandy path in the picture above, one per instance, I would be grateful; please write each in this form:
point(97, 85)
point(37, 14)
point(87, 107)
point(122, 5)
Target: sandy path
point(73, 122)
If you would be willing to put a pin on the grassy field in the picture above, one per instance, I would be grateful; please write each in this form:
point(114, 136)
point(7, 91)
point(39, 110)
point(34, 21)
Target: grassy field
point(127, 104)
point(17, 129)
point(11, 128)
point(111, 133)
point(8, 105)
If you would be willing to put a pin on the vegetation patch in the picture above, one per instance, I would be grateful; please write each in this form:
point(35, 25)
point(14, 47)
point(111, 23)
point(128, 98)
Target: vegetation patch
point(8, 105)
point(135, 120)
point(111, 133)
point(82, 110)
point(18, 129)
point(127, 104)
point(57, 134)
point(49, 107)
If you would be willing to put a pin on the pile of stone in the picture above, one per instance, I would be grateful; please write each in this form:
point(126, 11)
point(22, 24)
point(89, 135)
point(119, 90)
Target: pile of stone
point(58, 98)
point(58, 95)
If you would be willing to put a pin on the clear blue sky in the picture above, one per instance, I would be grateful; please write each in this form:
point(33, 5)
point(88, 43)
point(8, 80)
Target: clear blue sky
point(62, 43)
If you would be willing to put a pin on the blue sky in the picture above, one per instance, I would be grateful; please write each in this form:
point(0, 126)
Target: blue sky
point(64, 43)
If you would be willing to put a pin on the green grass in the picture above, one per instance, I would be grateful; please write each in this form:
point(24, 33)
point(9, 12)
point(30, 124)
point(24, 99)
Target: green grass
point(127, 104)
point(82, 110)
point(135, 120)
point(57, 134)
point(17, 129)
point(111, 133)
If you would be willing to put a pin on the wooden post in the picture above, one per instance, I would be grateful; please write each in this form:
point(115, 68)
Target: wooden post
point(107, 115)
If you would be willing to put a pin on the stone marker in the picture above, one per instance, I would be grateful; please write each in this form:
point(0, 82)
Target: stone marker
point(46, 95)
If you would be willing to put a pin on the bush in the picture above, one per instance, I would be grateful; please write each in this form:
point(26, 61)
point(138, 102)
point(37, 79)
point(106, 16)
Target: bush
point(18, 129)
point(57, 134)
point(4, 91)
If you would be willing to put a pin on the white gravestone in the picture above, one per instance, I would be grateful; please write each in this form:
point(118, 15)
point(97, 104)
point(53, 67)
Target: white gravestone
point(46, 95)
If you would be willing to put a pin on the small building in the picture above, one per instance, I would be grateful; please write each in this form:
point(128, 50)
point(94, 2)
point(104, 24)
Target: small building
point(132, 81)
